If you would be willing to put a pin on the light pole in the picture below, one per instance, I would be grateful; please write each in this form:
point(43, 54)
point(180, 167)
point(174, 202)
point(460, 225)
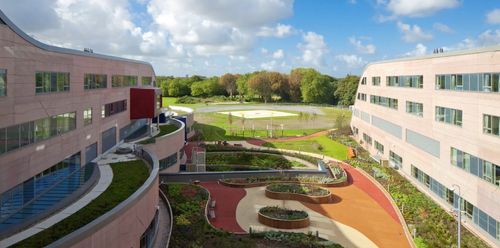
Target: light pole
point(459, 213)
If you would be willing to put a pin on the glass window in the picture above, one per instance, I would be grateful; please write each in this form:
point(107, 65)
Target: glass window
point(448, 115)
point(3, 141)
point(3, 82)
point(449, 196)
point(491, 124)
point(87, 116)
point(51, 82)
point(363, 80)
point(379, 147)
point(487, 171)
point(495, 81)
point(95, 81)
point(146, 80)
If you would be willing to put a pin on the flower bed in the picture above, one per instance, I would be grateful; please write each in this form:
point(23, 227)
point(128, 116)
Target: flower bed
point(298, 192)
point(283, 218)
point(338, 174)
point(262, 181)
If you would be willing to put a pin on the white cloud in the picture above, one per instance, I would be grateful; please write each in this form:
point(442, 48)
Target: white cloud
point(368, 49)
point(442, 28)
point(419, 8)
point(279, 31)
point(413, 33)
point(269, 66)
point(486, 38)
point(264, 51)
point(313, 49)
point(493, 17)
point(278, 54)
point(419, 50)
point(351, 60)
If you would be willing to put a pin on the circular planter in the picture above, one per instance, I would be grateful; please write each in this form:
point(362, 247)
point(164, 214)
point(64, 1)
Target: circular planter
point(283, 224)
point(299, 197)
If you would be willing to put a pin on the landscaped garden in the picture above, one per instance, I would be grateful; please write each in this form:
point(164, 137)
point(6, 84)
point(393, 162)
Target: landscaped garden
point(259, 181)
point(191, 229)
point(240, 161)
point(321, 145)
point(283, 213)
point(127, 178)
point(164, 130)
point(295, 188)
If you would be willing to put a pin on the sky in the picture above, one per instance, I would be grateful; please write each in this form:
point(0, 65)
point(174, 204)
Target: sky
point(212, 37)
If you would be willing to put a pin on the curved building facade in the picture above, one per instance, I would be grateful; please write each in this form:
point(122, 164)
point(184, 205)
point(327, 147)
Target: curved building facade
point(436, 120)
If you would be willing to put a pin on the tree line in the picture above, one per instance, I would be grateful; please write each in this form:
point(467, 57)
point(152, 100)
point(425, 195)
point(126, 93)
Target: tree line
point(304, 85)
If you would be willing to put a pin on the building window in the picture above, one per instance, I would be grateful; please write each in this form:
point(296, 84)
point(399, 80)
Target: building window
point(355, 130)
point(363, 80)
point(113, 108)
point(362, 96)
point(416, 81)
point(491, 124)
point(376, 81)
point(367, 139)
point(3, 82)
point(146, 81)
point(449, 115)
point(478, 82)
point(479, 167)
point(123, 81)
point(415, 108)
point(379, 147)
point(95, 81)
point(168, 161)
point(87, 116)
point(395, 159)
point(384, 101)
point(51, 82)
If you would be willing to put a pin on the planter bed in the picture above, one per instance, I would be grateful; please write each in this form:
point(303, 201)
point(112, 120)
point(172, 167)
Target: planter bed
point(340, 173)
point(283, 218)
point(299, 192)
point(263, 181)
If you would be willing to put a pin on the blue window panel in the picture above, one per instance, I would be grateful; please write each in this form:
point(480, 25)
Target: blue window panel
point(456, 198)
point(473, 82)
point(475, 215)
point(465, 77)
point(474, 169)
point(483, 220)
point(460, 159)
point(492, 226)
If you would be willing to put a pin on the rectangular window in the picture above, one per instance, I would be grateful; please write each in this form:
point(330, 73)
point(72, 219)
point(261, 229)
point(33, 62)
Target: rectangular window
point(479, 167)
point(395, 159)
point(113, 108)
point(491, 124)
point(376, 81)
point(363, 80)
point(46, 82)
point(415, 108)
point(3, 82)
point(146, 81)
point(379, 147)
point(168, 161)
point(362, 96)
point(415, 81)
point(384, 101)
point(123, 81)
point(95, 81)
point(478, 82)
point(367, 139)
point(449, 115)
point(87, 116)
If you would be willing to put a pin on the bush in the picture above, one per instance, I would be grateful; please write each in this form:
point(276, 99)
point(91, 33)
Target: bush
point(298, 189)
point(283, 213)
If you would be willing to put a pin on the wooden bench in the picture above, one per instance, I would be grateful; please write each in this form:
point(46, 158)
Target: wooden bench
point(211, 213)
point(212, 204)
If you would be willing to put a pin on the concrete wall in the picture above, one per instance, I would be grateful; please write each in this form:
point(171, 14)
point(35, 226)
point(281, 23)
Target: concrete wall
point(22, 60)
point(468, 138)
point(169, 144)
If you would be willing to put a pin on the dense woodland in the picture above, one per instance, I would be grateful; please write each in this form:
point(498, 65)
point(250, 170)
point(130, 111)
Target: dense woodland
point(302, 85)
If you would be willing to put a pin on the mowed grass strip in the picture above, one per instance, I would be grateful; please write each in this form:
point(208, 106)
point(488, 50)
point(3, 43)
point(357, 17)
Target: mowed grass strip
point(127, 178)
point(320, 145)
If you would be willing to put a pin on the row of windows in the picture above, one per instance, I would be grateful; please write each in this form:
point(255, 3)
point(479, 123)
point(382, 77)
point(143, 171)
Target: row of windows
point(481, 168)
point(362, 96)
point(384, 101)
point(168, 161)
point(367, 139)
point(395, 159)
point(416, 81)
point(3, 82)
point(123, 81)
point(479, 82)
point(480, 218)
point(491, 124)
point(51, 82)
point(449, 115)
point(415, 108)
point(113, 108)
point(95, 81)
point(376, 81)
point(20, 135)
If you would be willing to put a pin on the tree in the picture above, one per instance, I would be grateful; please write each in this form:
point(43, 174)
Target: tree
point(242, 84)
point(279, 85)
point(207, 87)
point(228, 82)
point(178, 87)
point(294, 84)
point(230, 122)
point(318, 90)
point(261, 85)
point(346, 90)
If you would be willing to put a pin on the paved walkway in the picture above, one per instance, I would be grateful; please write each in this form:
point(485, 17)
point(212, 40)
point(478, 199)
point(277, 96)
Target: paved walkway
point(327, 228)
point(226, 199)
point(106, 176)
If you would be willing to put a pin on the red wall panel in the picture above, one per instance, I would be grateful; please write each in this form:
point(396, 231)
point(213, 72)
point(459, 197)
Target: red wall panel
point(142, 103)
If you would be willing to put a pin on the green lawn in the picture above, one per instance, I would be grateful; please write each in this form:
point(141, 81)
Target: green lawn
point(127, 178)
point(320, 145)
point(164, 130)
point(251, 161)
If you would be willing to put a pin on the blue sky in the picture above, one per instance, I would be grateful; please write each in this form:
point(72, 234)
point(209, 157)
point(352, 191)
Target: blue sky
point(203, 37)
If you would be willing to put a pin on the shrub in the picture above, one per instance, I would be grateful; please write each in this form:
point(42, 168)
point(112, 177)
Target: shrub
point(283, 213)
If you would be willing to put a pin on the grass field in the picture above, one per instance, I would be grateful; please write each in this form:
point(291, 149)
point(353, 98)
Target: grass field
point(320, 145)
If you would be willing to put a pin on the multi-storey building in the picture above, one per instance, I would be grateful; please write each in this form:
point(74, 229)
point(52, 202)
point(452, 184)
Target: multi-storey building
point(60, 109)
point(435, 119)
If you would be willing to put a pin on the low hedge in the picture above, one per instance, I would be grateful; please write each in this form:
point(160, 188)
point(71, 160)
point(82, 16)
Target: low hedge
point(279, 213)
point(309, 190)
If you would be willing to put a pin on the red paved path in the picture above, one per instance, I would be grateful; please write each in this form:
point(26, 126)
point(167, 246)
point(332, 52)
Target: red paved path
point(227, 199)
point(359, 180)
